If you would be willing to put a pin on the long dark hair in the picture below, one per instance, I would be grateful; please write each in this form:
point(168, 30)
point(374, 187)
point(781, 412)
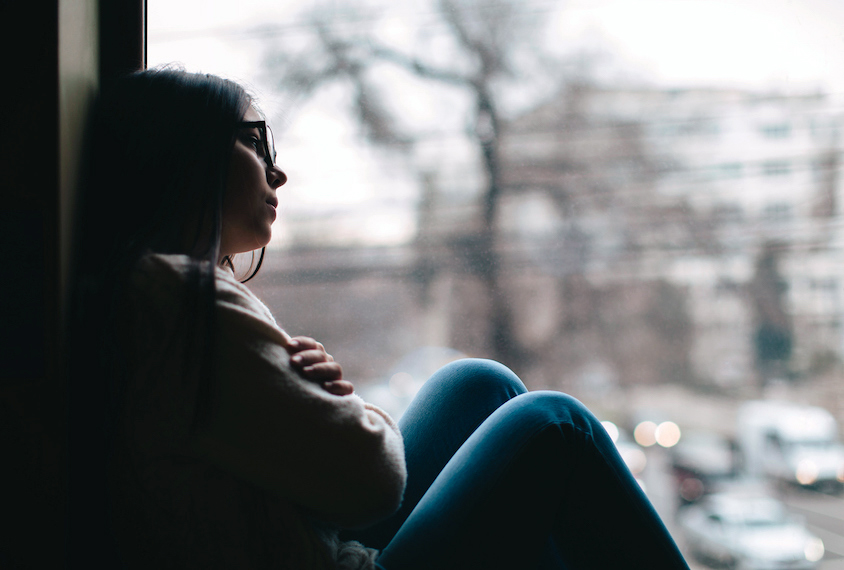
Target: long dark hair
point(155, 167)
point(160, 143)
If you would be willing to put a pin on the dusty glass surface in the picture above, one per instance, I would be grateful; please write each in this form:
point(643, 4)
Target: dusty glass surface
point(637, 202)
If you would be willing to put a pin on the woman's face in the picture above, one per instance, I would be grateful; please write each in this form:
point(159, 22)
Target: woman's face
point(249, 206)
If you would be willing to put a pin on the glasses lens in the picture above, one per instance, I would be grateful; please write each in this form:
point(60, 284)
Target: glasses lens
point(270, 144)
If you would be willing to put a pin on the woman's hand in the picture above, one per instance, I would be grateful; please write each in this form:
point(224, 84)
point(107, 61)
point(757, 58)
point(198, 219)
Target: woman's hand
point(309, 358)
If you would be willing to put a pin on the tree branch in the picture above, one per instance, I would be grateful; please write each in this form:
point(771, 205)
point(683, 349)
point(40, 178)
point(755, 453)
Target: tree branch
point(419, 68)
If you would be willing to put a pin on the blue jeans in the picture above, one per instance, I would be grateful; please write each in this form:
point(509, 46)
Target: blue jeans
point(499, 477)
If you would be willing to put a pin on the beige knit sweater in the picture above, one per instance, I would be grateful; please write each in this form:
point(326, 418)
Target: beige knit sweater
point(273, 470)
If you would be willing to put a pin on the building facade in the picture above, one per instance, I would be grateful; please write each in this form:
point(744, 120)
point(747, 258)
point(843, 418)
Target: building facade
point(695, 187)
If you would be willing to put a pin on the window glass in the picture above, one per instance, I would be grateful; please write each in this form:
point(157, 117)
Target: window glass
point(609, 197)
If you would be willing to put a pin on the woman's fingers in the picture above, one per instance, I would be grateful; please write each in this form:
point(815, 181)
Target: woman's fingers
point(323, 372)
point(305, 351)
point(311, 360)
point(310, 357)
point(317, 366)
point(300, 343)
point(339, 387)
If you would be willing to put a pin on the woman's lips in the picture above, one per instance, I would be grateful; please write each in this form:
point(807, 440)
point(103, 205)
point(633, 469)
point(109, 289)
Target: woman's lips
point(272, 204)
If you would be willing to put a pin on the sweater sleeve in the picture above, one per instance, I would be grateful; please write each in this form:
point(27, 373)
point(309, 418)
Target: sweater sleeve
point(338, 457)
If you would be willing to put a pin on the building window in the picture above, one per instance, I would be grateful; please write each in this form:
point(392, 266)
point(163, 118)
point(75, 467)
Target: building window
point(728, 213)
point(726, 286)
point(776, 168)
point(822, 166)
point(824, 284)
point(730, 170)
point(777, 212)
point(776, 131)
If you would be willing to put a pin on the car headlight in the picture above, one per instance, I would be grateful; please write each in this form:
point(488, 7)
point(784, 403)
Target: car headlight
point(814, 549)
point(807, 472)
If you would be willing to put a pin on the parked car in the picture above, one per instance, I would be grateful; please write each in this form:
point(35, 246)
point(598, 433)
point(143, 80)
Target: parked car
point(702, 463)
point(748, 532)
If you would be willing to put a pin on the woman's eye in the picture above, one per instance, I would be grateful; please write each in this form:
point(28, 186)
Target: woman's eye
point(256, 144)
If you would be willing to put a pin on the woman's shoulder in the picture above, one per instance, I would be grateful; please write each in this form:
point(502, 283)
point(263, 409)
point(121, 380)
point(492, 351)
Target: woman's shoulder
point(231, 292)
point(167, 277)
point(164, 277)
point(164, 266)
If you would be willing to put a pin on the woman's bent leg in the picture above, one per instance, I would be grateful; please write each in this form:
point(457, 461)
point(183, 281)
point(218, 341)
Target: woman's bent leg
point(541, 466)
point(446, 411)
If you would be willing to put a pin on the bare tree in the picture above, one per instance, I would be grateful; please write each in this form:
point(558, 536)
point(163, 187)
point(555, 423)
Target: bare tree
point(487, 37)
point(493, 50)
point(773, 330)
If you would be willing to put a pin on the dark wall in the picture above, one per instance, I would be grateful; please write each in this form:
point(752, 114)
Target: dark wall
point(33, 386)
point(31, 392)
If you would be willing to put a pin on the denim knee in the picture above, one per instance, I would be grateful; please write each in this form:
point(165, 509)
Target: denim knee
point(534, 411)
point(478, 376)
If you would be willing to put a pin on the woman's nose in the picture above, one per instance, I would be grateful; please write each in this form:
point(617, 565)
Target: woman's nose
point(276, 177)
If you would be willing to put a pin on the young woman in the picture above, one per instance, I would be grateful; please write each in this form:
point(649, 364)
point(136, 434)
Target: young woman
point(203, 435)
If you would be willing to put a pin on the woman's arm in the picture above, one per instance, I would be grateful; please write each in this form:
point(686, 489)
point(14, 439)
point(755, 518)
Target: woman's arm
point(331, 453)
point(310, 359)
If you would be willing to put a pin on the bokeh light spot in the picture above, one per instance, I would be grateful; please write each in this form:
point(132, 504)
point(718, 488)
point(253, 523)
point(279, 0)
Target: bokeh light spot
point(612, 430)
point(667, 434)
point(645, 433)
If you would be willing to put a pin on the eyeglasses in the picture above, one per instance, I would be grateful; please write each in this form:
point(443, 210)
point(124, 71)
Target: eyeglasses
point(267, 140)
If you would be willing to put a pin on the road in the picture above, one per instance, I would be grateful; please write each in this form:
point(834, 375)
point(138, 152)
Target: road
point(824, 513)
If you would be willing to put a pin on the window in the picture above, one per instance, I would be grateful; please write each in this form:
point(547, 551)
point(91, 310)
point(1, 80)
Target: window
point(776, 168)
point(777, 212)
point(828, 285)
point(730, 169)
point(410, 229)
point(776, 130)
point(823, 166)
point(728, 213)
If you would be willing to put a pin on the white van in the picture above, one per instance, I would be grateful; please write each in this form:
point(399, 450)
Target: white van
point(790, 442)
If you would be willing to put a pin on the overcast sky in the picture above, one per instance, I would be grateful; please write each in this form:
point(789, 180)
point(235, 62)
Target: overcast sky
point(790, 45)
point(754, 42)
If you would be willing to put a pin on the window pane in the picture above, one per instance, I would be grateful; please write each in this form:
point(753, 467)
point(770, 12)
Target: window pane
point(596, 193)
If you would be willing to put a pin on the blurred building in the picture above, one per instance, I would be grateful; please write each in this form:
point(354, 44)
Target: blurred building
point(631, 227)
point(691, 186)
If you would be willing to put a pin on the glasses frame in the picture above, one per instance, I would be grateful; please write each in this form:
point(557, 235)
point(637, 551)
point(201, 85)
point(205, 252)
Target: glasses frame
point(264, 129)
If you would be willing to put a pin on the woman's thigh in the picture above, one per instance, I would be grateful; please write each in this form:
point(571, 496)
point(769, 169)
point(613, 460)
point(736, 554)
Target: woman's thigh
point(447, 410)
point(541, 468)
